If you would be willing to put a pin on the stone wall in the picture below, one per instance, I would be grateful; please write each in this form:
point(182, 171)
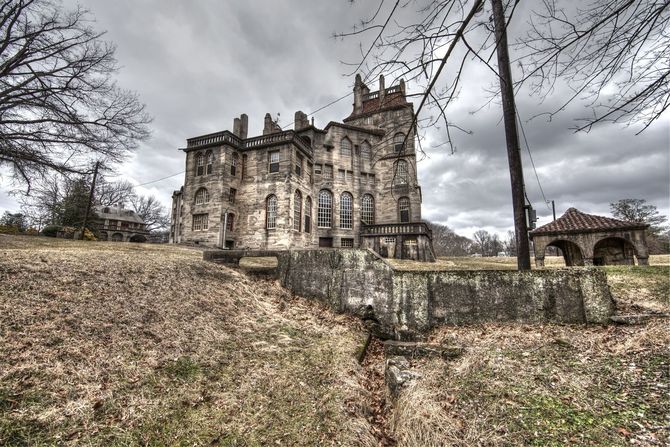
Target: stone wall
point(407, 303)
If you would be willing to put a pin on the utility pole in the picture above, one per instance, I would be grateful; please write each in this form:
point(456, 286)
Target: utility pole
point(511, 136)
point(553, 209)
point(90, 200)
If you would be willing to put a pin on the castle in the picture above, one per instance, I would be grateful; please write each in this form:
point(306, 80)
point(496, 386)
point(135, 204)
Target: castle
point(350, 184)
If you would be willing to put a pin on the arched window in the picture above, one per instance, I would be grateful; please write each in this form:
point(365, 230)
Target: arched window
point(368, 209)
point(403, 209)
point(308, 214)
point(233, 165)
point(324, 217)
point(398, 140)
point(271, 212)
point(365, 150)
point(199, 164)
point(297, 210)
point(345, 147)
point(346, 211)
point(230, 220)
point(400, 173)
point(210, 162)
point(201, 196)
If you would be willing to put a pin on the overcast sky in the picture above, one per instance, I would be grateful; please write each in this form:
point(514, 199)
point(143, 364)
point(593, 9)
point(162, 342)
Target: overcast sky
point(198, 64)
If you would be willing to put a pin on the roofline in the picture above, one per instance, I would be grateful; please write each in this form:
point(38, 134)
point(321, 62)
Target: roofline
point(378, 132)
point(381, 109)
point(586, 230)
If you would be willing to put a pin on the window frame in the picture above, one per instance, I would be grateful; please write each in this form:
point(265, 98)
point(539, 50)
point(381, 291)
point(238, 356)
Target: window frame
point(308, 214)
point(324, 213)
point(297, 210)
point(201, 196)
point(273, 166)
point(398, 140)
point(233, 164)
point(199, 164)
point(402, 201)
point(271, 207)
point(200, 222)
point(368, 209)
point(346, 147)
point(346, 211)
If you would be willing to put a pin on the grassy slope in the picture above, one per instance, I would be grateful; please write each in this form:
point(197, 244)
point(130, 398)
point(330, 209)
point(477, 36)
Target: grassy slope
point(549, 385)
point(126, 344)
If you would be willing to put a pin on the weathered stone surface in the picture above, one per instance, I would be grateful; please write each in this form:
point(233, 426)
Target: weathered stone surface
point(418, 349)
point(398, 374)
point(406, 304)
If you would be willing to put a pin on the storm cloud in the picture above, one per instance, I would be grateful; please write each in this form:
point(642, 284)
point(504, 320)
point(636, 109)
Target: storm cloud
point(197, 65)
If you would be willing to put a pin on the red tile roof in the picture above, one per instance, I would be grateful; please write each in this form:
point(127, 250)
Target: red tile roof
point(391, 100)
point(574, 221)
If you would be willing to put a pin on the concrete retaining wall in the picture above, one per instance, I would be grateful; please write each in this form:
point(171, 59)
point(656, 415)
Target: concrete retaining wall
point(408, 302)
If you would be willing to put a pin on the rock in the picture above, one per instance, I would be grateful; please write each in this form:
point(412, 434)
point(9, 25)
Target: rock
point(398, 375)
point(418, 349)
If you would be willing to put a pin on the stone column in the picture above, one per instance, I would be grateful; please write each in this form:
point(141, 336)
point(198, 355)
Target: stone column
point(539, 262)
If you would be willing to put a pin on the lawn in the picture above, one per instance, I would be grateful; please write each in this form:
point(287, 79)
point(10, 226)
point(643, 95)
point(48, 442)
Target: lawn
point(124, 344)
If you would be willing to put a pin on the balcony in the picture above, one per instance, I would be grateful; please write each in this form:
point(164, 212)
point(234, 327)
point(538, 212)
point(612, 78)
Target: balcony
point(411, 228)
point(276, 138)
point(213, 139)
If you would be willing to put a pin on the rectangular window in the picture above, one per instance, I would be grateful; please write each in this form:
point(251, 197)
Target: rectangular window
point(200, 222)
point(274, 161)
point(298, 165)
point(317, 169)
point(328, 171)
point(347, 243)
point(389, 240)
point(231, 195)
point(410, 241)
point(229, 222)
point(340, 175)
point(371, 179)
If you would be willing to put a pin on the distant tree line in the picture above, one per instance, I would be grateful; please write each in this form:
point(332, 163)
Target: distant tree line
point(60, 201)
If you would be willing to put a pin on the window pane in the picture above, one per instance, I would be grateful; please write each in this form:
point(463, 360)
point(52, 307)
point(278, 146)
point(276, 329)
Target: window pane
point(345, 146)
point(271, 212)
point(398, 140)
point(403, 208)
point(401, 173)
point(325, 211)
point(297, 211)
point(368, 210)
point(346, 211)
point(365, 150)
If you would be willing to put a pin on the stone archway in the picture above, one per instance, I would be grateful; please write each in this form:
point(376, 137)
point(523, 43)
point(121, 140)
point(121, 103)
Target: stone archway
point(138, 238)
point(614, 251)
point(117, 237)
point(572, 254)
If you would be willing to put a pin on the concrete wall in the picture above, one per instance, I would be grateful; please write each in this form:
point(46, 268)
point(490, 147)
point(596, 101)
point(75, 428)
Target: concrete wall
point(407, 303)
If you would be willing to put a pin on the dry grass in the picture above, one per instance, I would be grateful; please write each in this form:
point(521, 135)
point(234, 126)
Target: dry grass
point(550, 385)
point(121, 344)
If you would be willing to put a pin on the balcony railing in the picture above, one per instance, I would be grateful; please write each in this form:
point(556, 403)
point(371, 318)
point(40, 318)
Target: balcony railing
point(213, 138)
point(277, 138)
point(127, 229)
point(412, 228)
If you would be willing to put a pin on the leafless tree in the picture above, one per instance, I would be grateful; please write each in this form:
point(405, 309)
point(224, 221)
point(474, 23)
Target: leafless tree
point(612, 52)
point(154, 214)
point(113, 193)
point(59, 106)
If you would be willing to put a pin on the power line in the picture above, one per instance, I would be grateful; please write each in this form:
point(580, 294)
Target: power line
point(321, 108)
point(163, 178)
point(523, 133)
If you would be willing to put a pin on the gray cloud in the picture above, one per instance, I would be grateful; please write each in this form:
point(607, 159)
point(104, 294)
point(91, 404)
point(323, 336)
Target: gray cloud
point(197, 65)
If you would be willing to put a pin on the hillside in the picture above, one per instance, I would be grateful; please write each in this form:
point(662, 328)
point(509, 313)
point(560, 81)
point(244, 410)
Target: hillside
point(123, 344)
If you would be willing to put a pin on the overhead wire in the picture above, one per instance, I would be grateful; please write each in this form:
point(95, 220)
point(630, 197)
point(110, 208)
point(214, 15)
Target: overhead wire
point(532, 162)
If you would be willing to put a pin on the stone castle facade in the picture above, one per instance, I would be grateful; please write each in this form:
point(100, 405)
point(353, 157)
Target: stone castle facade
point(350, 184)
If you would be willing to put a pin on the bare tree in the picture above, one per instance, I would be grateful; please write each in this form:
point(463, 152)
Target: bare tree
point(59, 106)
point(113, 193)
point(154, 214)
point(613, 52)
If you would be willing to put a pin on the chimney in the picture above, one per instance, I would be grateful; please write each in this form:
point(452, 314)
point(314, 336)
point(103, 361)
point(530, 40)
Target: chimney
point(402, 87)
point(382, 89)
point(358, 94)
point(300, 120)
point(267, 124)
point(236, 127)
point(244, 126)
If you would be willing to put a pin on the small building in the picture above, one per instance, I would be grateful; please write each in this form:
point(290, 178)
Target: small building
point(119, 225)
point(586, 239)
